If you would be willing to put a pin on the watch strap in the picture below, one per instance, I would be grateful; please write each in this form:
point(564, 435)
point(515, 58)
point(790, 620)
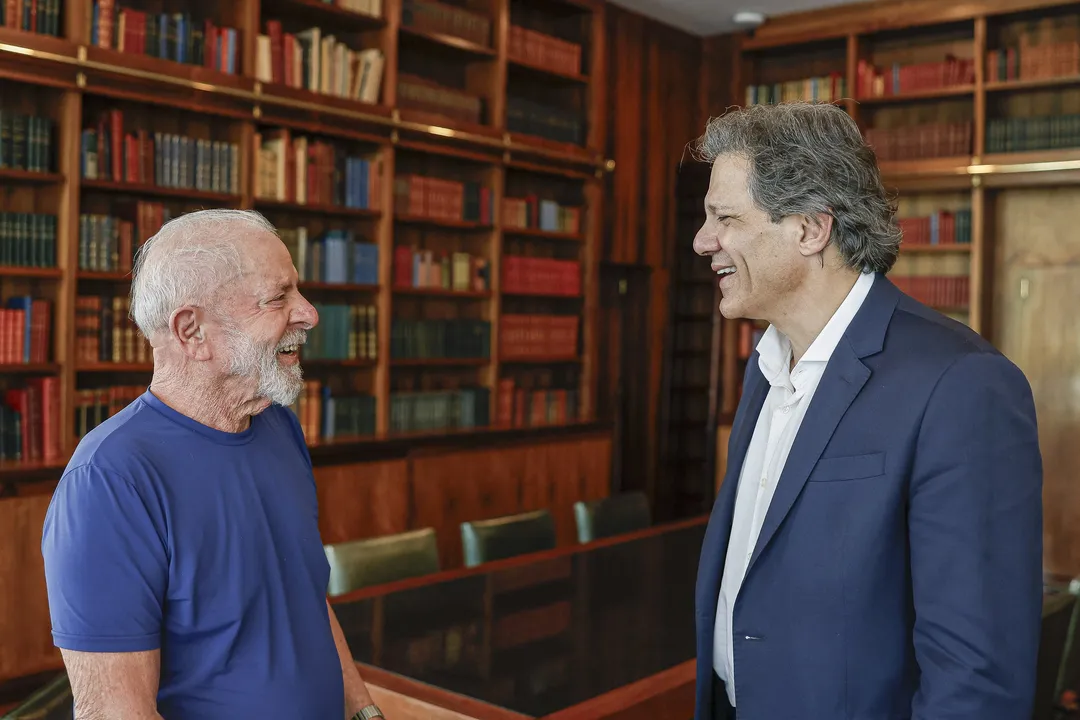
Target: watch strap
point(367, 713)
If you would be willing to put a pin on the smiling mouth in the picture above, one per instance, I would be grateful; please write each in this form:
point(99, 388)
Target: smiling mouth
point(289, 350)
point(730, 270)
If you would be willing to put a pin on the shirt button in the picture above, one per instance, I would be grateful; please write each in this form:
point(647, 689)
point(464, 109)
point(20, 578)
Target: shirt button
point(762, 482)
point(784, 410)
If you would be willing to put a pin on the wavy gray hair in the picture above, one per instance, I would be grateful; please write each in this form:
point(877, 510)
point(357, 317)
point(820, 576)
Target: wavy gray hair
point(187, 262)
point(809, 158)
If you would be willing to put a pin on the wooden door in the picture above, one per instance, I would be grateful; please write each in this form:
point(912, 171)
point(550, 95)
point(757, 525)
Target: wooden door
point(1036, 312)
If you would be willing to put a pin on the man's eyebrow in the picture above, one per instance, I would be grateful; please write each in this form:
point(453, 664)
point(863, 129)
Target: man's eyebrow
point(718, 209)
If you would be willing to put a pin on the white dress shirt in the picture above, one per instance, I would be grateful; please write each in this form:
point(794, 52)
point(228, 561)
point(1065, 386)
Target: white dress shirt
point(790, 393)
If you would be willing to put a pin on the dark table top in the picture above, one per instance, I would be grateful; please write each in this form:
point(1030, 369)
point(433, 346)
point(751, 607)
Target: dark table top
point(541, 634)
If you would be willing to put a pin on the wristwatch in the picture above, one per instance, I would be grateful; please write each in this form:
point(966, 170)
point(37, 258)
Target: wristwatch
point(367, 713)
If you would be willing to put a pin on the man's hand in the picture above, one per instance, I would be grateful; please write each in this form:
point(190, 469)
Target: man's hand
point(356, 692)
point(114, 686)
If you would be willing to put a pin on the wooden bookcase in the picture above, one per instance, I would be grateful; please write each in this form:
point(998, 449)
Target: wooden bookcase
point(435, 168)
point(964, 107)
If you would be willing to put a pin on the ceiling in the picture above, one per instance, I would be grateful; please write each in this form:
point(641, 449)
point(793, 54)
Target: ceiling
point(713, 17)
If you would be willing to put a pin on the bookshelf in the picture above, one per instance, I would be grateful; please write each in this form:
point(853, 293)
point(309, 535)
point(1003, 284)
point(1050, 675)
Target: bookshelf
point(434, 167)
point(966, 108)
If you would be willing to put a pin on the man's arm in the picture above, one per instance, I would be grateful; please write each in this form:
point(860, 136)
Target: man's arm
point(114, 686)
point(975, 524)
point(356, 692)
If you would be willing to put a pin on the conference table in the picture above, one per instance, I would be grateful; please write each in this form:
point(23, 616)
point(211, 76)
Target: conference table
point(599, 630)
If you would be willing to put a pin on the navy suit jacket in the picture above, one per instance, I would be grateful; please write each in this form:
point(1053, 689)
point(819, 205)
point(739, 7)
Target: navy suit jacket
point(898, 573)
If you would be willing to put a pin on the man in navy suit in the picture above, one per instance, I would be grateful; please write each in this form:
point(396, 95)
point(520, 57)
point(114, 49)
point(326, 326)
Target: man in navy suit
point(875, 550)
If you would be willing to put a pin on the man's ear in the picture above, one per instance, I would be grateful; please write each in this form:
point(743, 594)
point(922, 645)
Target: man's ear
point(186, 329)
point(816, 231)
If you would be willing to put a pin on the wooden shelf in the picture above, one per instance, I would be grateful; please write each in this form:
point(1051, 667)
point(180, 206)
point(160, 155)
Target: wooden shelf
point(443, 293)
point(159, 191)
point(540, 360)
point(993, 86)
point(30, 272)
point(103, 276)
point(465, 47)
point(26, 176)
point(334, 362)
point(439, 362)
point(449, 224)
point(333, 210)
point(114, 367)
point(317, 11)
point(30, 369)
point(543, 72)
point(541, 296)
point(956, 91)
point(957, 248)
point(337, 287)
point(541, 234)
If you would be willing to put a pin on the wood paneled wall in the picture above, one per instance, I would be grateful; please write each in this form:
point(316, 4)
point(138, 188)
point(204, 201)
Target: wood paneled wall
point(654, 109)
point(430, 488)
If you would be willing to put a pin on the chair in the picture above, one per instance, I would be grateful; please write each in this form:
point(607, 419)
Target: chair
point(357, 564)
point(54, 701)
point(613, 515)
point(486, 540)
point(1058, 625)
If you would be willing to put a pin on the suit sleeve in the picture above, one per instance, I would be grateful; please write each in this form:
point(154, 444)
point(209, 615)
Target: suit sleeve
point(975, 528)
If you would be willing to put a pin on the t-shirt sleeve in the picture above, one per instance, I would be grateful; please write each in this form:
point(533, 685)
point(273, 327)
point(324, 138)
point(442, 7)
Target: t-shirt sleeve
point(106, 565)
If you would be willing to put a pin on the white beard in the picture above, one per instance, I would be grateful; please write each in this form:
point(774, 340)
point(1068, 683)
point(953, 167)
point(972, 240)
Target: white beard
point(277, 383)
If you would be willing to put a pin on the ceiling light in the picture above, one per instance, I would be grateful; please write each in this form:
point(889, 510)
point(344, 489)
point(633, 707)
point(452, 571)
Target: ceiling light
point(747, 18)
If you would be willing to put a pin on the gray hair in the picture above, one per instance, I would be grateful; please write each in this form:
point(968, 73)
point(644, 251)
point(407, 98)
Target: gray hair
point(810, 158)
point(187, 262)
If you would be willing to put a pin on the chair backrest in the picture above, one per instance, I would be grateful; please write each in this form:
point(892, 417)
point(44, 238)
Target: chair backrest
point(614, 515)
point(1057, 617)
point(486, 540)
point(52, 702)
point(357, 564)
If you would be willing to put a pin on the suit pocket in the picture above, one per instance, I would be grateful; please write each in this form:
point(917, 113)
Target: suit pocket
point(850, 467)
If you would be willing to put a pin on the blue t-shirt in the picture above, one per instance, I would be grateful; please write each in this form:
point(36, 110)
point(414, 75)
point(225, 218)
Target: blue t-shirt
point(167, 534)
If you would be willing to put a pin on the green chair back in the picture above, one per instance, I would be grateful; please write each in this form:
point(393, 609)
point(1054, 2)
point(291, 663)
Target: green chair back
point(357, 564)
point(486, 540)
point(54, 701)
point(1057, 617)
point(614, 515)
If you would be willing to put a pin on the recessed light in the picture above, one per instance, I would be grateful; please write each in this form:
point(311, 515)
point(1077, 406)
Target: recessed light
point(748, 18)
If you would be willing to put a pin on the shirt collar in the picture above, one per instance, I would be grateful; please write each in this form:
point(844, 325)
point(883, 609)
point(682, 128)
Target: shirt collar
point(774, 349)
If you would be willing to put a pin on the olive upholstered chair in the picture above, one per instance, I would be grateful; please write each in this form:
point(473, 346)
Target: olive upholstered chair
point(486, 540)
point(357, 564)
point(52, 702)
point(614, 515)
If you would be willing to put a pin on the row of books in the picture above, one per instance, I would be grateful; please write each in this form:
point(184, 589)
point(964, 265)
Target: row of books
point(939, 228)
point(419, 268)
point(938, 291)
point(1046, 48)
point(108, 243)
point(26, 142)
point(438, 198)
point(27, 240)
point(36, 16)
point(25, 330)
point(442, 338)
point(533, 213)
point(162, 159)
point(536, 48)
point(919, 142)
point(521, 408)
point(541, 276)
point(309, 171)
point(30, 421)
point(94, 406)
point(895, 79)
point(316, 60)
point(334, 256)
point(821, 88)
point(432, 410)
point(544, 120)
point(325, 415)
point(423, 95)
point(105, 332)
point(1025, 134)
point(445, 19)
point(344, 332)
point(170, 36)
point(537, 336)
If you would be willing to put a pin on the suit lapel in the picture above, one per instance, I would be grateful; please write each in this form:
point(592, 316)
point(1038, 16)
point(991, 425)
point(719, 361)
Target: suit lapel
point(844, 377)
